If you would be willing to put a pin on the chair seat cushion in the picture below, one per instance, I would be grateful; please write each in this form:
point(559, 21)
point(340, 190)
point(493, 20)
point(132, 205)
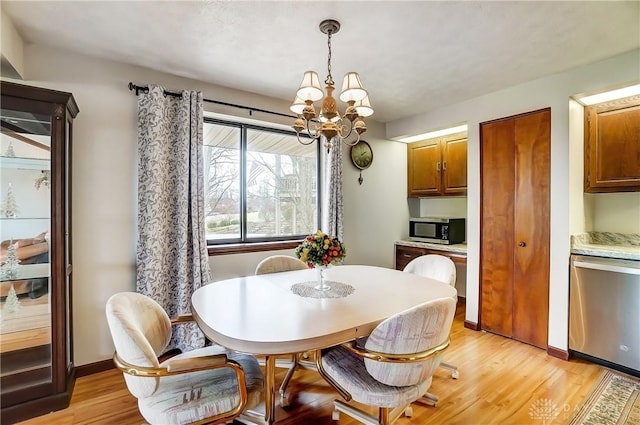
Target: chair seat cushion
point(190, 397)
point(350, 373)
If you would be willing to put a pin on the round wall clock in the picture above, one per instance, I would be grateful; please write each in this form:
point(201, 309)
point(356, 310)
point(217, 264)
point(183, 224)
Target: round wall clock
point(361, 156)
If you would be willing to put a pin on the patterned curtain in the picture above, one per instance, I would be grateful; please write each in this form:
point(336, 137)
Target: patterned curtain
point(172, 259)
point(332, 219)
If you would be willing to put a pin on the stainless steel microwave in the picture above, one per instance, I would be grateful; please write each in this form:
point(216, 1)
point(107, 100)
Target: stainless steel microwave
point(446, 231)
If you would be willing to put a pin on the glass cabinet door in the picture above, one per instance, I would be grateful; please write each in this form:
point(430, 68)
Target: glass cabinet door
point(25, 272)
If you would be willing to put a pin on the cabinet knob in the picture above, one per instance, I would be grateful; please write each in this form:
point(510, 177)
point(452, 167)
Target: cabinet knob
point(522, 244)
point(438, 166)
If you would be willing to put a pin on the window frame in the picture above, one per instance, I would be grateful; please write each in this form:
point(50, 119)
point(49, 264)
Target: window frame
point(243, 243)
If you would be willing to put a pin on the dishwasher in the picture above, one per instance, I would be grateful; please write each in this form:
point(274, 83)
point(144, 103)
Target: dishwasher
point(604, 311)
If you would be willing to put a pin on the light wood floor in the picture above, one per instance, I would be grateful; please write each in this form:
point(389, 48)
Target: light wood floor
point(501, 382)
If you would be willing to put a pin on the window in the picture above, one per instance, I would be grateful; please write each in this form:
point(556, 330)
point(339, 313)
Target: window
point(261, 184)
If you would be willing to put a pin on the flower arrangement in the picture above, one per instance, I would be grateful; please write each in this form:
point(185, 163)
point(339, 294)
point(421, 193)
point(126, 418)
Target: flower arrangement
point(321, 249)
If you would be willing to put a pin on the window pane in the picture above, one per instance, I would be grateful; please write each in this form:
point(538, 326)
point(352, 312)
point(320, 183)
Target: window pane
point(222, 181)
point(281, 185)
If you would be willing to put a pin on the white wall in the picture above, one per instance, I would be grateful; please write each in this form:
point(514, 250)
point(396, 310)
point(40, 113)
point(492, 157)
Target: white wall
point(11, 49)
point(613, 212)
point(375, 213)
point(553, 91)
point(104, 184)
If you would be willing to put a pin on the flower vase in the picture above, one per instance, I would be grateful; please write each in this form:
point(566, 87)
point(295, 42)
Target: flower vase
point(322, 284)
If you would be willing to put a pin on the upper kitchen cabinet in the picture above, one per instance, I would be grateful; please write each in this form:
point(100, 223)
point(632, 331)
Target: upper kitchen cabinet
point(612, 146)
point(438, 166)
point(36, 350)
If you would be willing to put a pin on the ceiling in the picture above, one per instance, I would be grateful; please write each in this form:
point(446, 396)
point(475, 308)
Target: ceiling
point(412, 56)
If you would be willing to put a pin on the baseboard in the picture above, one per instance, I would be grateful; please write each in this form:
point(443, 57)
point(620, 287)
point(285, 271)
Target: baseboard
point(558, 353)
point(471, 325)
point(97, 367)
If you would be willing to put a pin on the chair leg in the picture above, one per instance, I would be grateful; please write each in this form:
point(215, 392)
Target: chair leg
point(386, 415)
point(284, 400)
point(429, 399)
point(357, 414)
point(454, 370)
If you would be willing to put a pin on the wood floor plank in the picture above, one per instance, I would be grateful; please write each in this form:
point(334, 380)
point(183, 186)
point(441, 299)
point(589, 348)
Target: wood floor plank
point(501, 381)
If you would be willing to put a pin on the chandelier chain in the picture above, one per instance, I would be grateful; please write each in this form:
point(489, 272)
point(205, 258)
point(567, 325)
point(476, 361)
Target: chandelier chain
point(329, 80)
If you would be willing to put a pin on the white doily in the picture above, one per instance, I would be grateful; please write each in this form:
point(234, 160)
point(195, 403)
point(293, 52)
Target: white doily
point(308, 290)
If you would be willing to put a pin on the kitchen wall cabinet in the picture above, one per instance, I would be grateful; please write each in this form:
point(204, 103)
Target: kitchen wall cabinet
point(612, 146)
point(514, 232)
point(437, 167)
point(36, 350)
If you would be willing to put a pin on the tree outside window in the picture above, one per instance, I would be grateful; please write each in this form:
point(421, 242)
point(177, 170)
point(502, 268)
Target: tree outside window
point(279, 195)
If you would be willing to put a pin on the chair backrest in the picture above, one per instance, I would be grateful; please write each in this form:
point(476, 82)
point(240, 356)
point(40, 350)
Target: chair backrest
point(415, 330)
point(141, 330)
point(435, 266)
point(279, 263)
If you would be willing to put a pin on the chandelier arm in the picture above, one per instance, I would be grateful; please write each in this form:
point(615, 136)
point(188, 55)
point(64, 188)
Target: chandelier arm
point(316, 133)
point(343, 129)
point(302, 142)
point(355, 142)
point(313, 135)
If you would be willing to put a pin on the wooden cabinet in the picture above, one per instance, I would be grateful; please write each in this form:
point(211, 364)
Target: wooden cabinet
point(612, 146)
point(514, 233)
point(437, 166)
point(36, 356)
point(404, 254)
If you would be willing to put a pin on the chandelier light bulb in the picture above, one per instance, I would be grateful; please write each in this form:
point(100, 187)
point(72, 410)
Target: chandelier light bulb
point(363, 107)
point(310, 87)
point(352, 88)
point(298, 106)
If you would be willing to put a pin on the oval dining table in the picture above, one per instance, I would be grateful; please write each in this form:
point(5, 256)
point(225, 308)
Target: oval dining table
point(263, 315)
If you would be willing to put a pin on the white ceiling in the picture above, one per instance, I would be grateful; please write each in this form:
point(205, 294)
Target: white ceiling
point(411, 56)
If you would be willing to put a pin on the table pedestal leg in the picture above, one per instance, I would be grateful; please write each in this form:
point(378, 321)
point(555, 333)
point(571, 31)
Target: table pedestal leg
point(270, 390)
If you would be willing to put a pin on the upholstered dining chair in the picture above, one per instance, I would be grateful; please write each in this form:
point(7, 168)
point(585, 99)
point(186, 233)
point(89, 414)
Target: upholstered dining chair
point(207, 385)
point(279, 263)
point(440, 268)
point(394, 367)
point(276, 264)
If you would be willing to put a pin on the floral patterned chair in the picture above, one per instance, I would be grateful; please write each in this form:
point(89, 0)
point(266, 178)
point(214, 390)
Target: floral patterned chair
point(394, 367)
point(440, 268)
point(277, 264)
point(206, 385)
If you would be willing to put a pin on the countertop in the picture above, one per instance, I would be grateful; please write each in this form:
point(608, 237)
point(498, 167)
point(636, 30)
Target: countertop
point(460, 248)
point(624, 246)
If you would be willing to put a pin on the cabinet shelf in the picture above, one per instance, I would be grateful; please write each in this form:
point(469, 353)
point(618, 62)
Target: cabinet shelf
point(8, 219)
point(19, 163)
point(30, 271)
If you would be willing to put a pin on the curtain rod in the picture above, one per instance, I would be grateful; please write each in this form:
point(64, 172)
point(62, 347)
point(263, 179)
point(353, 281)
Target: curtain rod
point(145, 89)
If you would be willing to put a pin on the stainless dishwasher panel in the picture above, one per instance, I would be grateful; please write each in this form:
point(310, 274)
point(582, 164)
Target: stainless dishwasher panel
point(604, 309)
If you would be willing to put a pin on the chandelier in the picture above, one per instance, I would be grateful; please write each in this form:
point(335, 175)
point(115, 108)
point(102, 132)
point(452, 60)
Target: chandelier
point(329, 123)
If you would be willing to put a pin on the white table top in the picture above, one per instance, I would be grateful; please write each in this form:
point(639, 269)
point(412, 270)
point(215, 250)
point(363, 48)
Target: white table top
point(261, 315)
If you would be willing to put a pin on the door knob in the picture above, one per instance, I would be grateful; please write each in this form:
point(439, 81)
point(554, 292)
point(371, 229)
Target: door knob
point(522, 244)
